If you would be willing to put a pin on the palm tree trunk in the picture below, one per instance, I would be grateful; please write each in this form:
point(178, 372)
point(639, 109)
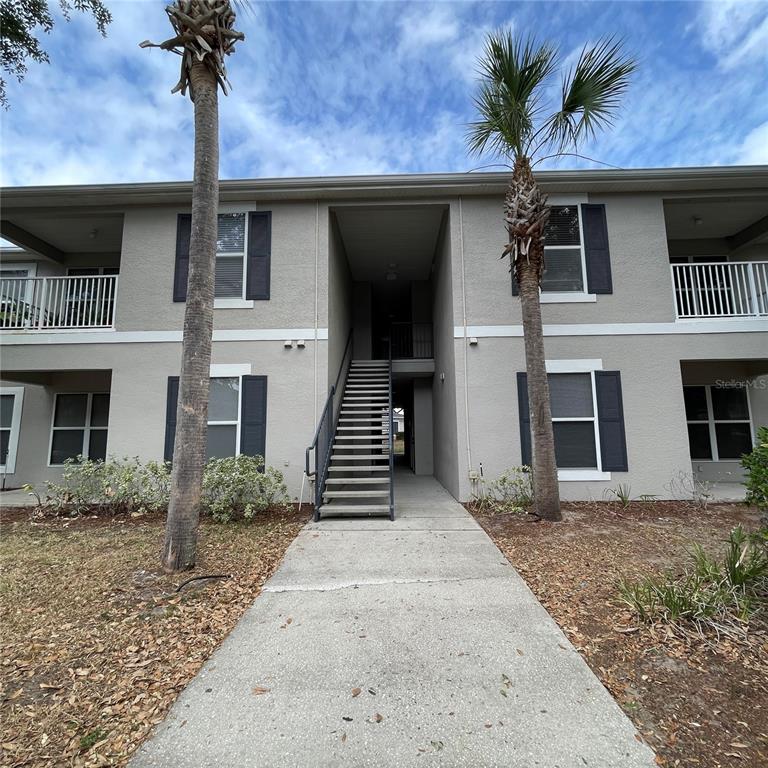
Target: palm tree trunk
point(192, 413)
point(528, 270)
point(545, 484)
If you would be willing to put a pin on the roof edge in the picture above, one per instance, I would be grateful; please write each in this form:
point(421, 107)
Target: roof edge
point(648, 179)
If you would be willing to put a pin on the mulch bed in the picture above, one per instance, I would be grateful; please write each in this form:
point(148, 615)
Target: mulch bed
point(696, 701)
point(97, 642)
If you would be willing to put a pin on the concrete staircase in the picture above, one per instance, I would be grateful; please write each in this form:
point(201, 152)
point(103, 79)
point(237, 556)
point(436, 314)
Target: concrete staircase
point(359, 475)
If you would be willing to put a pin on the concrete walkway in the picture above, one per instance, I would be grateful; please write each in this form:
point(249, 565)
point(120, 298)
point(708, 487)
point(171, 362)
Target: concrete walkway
point(456, 661)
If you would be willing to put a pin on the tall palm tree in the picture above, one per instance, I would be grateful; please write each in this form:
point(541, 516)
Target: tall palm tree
point(204, 35)
point(522, 123)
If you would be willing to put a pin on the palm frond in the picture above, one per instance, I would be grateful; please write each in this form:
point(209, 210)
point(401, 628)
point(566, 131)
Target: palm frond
point(591, 93)
point(512, 75)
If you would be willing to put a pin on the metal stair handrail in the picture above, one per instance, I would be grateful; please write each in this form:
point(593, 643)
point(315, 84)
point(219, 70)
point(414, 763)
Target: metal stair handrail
point(391, 442)
point(326, 428)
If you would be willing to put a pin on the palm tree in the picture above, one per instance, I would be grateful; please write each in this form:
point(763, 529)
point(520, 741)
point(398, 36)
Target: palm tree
point(204, 35)
point(519, 121)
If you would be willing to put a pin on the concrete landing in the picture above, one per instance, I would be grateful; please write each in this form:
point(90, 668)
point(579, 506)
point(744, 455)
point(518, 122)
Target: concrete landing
point(456, 662)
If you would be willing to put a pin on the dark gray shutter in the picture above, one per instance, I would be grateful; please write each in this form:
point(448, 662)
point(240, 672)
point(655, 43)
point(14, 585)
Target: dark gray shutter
point(596, 249)
point(610, 416)
point(253, 419)
point(181, 271)
point(259, 255)
point(525, 418)
point(170, 416)
point(515, 286)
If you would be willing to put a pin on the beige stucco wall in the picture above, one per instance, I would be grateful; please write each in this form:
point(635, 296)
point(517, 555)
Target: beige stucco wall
point(145, 296)
point(654, 413)
point(139, 375)
point(642, 287)
point(445, 445)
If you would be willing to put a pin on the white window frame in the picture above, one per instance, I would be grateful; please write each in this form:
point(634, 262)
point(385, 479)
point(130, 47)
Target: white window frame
point(14, 266)
point(232, 371)
point(581, 366)
point(569, 297)
point(235, 302)
point(711, 421)
point(86, 429)
point(13, 441)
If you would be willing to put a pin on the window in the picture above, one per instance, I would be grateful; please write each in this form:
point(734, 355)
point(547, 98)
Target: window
point(574, 420)
point(230, 256)
point(79, 427)
point(563, 252)
point(223, 418)
point(10, 424)
point(719, 424)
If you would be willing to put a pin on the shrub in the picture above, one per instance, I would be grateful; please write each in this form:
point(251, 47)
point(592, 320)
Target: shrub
point(233, 488)
point(242, 487)
point(719, 595)
point(756, 464)
point(511, 491)
point(118, 486)
point(687, 487)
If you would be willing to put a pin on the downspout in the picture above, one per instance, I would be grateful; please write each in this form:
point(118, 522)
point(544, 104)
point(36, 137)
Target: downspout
point(464, 324)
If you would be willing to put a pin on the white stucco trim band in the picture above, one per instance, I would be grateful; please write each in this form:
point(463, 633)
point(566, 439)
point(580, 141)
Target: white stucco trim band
point(144, 337)
point(585, 365)
point(619, 329)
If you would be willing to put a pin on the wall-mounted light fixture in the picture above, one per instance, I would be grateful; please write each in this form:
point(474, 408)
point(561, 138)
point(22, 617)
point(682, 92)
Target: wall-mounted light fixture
point(288, 343)
point(300, 343)
point(473, 341)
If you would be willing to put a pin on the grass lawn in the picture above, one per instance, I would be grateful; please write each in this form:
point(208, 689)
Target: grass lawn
point(697, 701)
point(97, 643)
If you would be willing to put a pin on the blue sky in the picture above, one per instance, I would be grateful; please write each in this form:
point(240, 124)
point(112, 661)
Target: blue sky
point(327, 88)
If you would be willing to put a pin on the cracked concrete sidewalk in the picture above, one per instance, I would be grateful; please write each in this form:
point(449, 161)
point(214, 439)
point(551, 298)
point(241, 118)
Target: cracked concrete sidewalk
point(393, 644)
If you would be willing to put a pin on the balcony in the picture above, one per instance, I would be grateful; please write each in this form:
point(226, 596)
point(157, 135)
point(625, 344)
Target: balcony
point(57, 303)
point(716, 290)
point(411, 341)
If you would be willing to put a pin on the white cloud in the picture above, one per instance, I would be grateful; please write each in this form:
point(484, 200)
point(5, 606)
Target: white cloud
point(753, 150)
point(422, 28)
point(734, 31)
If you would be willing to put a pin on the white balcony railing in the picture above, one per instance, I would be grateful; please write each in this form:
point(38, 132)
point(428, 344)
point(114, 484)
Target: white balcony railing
point(721, 289)
point(52, 303)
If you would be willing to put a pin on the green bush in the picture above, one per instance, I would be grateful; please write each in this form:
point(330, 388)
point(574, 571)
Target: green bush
point(242, 487)
point(511, 491)
point(233, 488)
point(717, 594)
point(118, 486)
point(756, 464)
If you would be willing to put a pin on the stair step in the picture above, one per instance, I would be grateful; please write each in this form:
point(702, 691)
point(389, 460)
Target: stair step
point(368, 429)
point(355, 494)
point(363, 468)
point(368, 420)
point(358, 480)
point(370, 436)
point(360, 456)
point(364, 398)
point(368, 508)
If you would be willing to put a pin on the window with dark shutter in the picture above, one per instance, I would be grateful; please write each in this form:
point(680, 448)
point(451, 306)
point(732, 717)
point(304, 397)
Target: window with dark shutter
point(584, 439)
point(235, 402)
point(259, 255)
point(596, 251)
point(181, 271)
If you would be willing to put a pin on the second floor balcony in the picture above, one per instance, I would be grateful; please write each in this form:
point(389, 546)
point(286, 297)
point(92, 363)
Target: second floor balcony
point(724, 289)
point(57, 303)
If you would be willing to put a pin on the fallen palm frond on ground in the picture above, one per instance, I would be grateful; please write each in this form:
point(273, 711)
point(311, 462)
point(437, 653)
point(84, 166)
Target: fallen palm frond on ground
point(698, 701)
point(97, 642)
point(712, 595)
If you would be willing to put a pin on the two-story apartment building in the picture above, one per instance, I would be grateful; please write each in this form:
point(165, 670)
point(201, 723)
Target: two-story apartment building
point(655, 310)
